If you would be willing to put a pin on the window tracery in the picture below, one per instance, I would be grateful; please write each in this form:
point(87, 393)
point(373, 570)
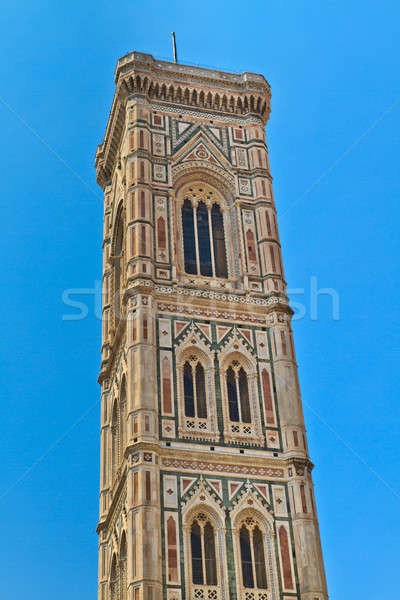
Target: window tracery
point(196, 399)
point(204, 245)
point(240, 400)
point(203, 559)
point(255, 557)
point(118, 259)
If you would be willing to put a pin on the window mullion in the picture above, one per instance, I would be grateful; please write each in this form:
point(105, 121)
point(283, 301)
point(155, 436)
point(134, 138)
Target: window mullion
point(196, 238)
point(194, 390)
point(238, 396)
point(253, 563)
point(203, 556)
point(210, 229)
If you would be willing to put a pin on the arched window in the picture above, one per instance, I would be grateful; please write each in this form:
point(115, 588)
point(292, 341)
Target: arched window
point(118, 264)
point(122, 568)
point(203, 238)
point(238, 394)
point(194, 389)
point(114, 440)
point(122, 412)
point(202, 548)
point(252, 555)
point(114, 579)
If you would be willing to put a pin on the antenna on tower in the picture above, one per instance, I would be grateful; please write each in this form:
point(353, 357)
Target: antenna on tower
point(174, 46)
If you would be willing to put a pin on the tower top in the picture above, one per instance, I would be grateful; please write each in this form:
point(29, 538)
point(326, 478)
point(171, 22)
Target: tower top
point(168, 85)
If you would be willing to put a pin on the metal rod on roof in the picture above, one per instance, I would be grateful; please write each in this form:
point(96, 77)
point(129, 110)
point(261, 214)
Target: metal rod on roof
point(174, 45)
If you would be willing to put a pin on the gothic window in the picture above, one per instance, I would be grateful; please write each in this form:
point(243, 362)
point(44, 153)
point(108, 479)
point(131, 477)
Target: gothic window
point(118, 266)
point(202, 548)
point(252, 555)
point(114, 440)
point(122, 568)
point(196, 401)
point(194, 389)
point(238, 394)
point(203, 239)
point(114, 579)
point(122, 411)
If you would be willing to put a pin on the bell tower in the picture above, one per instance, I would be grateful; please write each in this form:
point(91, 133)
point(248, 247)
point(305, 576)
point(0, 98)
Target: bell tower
point(206, 490)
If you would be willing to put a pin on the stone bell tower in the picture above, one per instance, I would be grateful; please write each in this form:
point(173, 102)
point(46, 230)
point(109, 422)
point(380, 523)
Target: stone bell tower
point(206, 490)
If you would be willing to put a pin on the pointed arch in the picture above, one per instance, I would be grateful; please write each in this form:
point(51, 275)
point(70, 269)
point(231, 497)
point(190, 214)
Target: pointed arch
point(118, 253)
point(114, 579)
point(254, 550)
point(122, 413)
point(114, 439)
point(123, 567)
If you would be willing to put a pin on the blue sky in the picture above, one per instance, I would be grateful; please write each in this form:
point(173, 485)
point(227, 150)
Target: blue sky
point(334, 150)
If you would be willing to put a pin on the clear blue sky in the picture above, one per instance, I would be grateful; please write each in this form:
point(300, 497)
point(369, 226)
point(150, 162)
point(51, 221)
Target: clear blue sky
point(334, 71)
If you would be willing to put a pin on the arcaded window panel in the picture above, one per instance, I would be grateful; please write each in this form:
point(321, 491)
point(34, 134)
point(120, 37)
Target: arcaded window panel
point(259, 559)
point(122, 416)
point(203, 234)
point(188, 390)
point(197, 561)
point(115, 440)
point(221, 268)
point(232, 395)
point(188, 238)
point(245, 555)
point(209, 550)
point(119, 241)
point(201, 392)
point(244, 396)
